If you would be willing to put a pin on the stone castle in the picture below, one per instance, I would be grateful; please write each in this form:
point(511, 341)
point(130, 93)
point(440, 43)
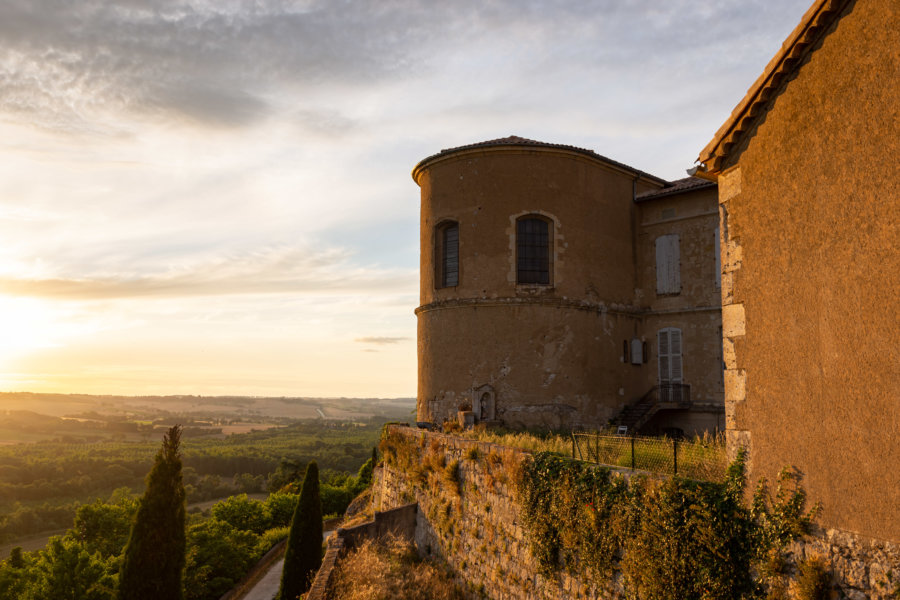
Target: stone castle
point(563, 289)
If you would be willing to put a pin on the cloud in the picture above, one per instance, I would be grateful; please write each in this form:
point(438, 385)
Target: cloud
point(278, 270)
point(381, 341)
point(70, 65)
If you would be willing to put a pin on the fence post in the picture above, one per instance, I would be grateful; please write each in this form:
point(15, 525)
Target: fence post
point(632, 452)
point(675, 454)
point(573, 445)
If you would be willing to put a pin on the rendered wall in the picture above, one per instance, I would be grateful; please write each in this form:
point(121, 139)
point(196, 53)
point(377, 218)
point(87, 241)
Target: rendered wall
point(552, 355)
point(810, 227)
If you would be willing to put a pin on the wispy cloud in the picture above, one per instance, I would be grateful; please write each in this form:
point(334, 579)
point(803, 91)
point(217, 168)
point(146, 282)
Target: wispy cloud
point(282, 270)
point(381, 341)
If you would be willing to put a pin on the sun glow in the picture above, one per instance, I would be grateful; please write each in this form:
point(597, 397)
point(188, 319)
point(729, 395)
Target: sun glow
point(27, 325)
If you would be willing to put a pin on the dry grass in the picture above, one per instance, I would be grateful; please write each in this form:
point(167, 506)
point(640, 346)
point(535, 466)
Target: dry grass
point(391, 570)
point(533, 442)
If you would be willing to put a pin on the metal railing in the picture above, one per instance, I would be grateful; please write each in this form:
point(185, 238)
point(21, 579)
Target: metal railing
point(703, 460)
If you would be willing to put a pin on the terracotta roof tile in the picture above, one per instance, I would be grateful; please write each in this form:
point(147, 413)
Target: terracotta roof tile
point(515, 140)
point(688, 184)
point(813, 25)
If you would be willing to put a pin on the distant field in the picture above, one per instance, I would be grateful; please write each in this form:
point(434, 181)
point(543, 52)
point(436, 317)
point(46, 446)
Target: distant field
point(79, 418)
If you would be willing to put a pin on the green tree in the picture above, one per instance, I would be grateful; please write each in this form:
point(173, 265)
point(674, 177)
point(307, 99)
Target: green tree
point(218, 555)
point(65, 571)
point(303, 555)
point(102, 527)
point(280, 507)
point(155, 554)
point(242, 513)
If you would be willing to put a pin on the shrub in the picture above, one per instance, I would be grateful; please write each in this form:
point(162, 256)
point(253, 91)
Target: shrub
point(391, 569)
point(814, 579)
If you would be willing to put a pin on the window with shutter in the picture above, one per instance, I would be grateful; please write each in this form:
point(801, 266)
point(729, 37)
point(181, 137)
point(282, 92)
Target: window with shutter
point(446, 252)
point(668, 265)
point(637, 351)
point(670, 359)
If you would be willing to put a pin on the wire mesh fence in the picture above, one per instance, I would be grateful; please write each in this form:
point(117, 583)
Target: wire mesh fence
point(704, 460)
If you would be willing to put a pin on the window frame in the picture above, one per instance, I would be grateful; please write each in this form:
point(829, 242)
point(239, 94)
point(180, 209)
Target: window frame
point(443, 259)
point(668, 264)
point(541, 251)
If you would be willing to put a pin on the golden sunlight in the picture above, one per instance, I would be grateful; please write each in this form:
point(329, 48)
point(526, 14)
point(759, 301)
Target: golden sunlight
point(26, 325)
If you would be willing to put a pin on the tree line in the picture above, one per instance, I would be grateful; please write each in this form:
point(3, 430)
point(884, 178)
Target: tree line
point(42, 484)
point(152, 548)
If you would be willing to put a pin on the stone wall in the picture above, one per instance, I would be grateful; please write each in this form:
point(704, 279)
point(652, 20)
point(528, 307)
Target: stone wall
point(469, 516)
point(471, 520)
point(399, 521)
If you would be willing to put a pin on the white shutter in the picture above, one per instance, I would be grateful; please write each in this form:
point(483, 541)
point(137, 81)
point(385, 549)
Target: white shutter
point(663, 345)
point(675, 355)
point(637, 351)
point(670, 362)
point(668, 265)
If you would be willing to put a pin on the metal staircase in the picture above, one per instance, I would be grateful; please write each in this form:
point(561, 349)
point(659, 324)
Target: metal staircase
point(662, 396)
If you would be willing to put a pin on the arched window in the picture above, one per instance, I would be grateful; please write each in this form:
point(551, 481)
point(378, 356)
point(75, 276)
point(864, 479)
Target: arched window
point(532, 250)
point(446, 254)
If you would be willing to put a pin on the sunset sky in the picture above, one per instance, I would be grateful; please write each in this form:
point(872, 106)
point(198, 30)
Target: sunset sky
point(214, 197)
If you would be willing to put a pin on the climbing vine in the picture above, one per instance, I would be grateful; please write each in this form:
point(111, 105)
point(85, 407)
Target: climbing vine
point(670, 539)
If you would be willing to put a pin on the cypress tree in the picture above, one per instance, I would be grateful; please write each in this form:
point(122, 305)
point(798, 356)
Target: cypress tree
point(303, 555)
point(154, 557)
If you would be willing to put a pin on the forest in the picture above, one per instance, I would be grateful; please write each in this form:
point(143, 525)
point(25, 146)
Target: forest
point(43, 484)
point(222, 543)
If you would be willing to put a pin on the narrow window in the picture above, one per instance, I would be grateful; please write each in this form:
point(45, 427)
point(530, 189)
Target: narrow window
point(532, 251)
point(668, 265)
point(447, 255)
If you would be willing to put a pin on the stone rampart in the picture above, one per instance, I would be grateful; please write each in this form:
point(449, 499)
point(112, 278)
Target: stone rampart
point(469, 516)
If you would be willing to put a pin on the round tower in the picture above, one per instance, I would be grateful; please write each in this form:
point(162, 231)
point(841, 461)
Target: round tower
point(527, 283)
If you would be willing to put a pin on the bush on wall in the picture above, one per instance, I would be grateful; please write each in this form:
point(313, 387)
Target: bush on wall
point(672, 538)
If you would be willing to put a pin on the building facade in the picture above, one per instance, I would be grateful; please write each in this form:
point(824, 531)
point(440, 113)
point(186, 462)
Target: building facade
point(809, 188)
point(563, 289)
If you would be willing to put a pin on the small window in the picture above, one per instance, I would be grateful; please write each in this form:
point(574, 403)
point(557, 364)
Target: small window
point(533, 251)
point(447, 255)
point(668, 265)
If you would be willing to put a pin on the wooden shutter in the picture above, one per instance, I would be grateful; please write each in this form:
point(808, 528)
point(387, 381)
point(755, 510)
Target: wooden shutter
point(668, 265)
point(637, 351)
point(670, 360)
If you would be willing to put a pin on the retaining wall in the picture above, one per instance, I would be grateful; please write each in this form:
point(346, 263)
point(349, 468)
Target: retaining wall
point(471, 520)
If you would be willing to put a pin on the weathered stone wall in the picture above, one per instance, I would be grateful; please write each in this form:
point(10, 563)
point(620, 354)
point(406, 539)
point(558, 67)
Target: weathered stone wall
point(474, 524)
point(399, 521)
point(472, 521)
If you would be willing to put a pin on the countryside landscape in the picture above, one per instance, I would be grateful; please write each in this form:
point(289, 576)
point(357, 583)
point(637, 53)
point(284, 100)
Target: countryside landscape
point(469, 300)
point(72, 468)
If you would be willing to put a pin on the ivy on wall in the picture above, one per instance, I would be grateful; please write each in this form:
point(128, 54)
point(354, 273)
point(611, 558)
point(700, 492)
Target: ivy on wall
point(673, 538)
point(659, 538)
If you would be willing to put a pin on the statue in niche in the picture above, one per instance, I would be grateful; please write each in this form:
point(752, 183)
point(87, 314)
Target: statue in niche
point(485, 403)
